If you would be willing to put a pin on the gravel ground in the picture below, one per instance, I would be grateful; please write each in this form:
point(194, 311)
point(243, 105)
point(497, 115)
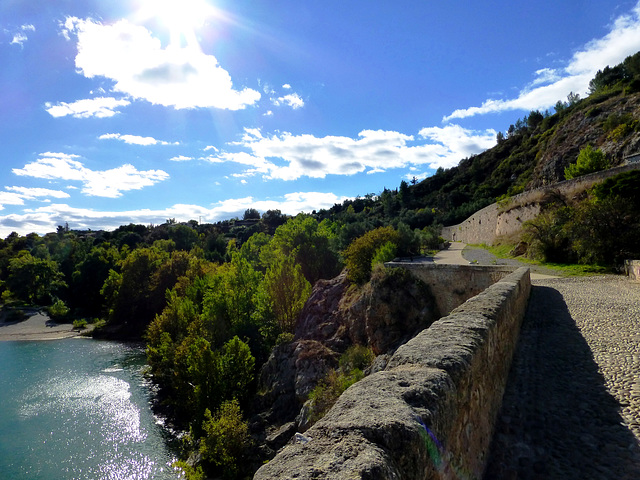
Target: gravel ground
point(572, 404)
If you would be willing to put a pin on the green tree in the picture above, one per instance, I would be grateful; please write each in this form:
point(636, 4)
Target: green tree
point(287, 291)
point(251, 214)
point(360, 253)
point(225, 440)
point(33, 279)
point(589, 161)
point(310, 246)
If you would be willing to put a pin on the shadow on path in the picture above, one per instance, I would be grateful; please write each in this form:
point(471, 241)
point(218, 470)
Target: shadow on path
point(558, 420)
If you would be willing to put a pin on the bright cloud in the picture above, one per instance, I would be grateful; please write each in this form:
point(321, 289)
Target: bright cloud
point(21, 36)
point(101, 107)
point(181, 158)
point(289, 157)
point(106, 183)
point(293, 100)
point(17, 195)
point(47, 218)
point(128, 54)
point(552, 85)
point(134, 139)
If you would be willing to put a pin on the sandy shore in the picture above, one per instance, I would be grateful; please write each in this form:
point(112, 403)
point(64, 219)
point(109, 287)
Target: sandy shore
point(37, 327)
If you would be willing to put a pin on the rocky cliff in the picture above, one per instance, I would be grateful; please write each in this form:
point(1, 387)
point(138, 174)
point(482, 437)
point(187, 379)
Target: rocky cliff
point(383, 314)
point(608, 125)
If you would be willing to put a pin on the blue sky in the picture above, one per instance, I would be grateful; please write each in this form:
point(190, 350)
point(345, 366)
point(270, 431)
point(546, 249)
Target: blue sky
point(143, 110)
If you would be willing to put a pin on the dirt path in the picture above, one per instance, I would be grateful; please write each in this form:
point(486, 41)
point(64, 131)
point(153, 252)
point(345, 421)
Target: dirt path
point(572, 404)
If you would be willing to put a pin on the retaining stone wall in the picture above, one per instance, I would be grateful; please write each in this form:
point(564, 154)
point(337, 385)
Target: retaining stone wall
point(431, 413)
point(506, 218)
point(632, 269)
point(452, 285)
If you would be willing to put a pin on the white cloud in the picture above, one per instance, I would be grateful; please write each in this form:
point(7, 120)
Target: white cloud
point(10, 198)
point(101, 107)
point(293, 100)
point(181, 158)
point(128, 54)
point(20, 37)
point(286, 86)
point(17, 195)
point(622, 40)
point(30, 193)
point(289, 157)
point(106, 183)
point(134, 139)
point(46, 218)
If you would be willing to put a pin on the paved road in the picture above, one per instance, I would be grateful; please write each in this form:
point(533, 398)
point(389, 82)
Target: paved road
point(459, 253)
point(572, 404)
point(452, 255)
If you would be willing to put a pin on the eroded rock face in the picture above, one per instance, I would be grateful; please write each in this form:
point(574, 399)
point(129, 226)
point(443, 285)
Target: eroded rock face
point(382, 314)
point(586, 128)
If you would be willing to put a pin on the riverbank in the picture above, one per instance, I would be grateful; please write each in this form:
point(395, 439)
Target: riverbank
point(37, 326)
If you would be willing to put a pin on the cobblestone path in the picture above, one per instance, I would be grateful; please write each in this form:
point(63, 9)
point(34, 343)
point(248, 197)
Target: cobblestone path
point(572, 404)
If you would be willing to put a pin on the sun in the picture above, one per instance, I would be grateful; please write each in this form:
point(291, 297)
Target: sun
point(180, 17)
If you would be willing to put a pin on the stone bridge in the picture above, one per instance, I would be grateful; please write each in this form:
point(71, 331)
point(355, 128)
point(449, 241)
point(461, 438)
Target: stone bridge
point(431, 413)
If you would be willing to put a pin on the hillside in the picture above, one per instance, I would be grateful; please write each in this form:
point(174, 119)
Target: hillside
point(531, 153)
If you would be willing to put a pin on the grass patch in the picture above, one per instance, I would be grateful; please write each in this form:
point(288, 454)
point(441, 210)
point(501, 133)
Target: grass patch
point(561, 269)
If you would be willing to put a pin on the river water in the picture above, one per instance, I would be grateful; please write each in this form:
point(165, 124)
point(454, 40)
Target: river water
point(78, 409)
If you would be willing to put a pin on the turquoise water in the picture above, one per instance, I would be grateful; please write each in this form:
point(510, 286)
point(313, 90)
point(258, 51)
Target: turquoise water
point(78, 409)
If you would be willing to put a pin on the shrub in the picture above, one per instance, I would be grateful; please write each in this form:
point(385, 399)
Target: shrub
point(589, 161)
point(59, 310)
point(352, 363)
point(360, 253)
point(326, 393)
point(226, 439)
point(356, 357)
point(79, 324)
point(385, 253)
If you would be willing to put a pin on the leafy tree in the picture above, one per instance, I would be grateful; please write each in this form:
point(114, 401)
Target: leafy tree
point(287, 291)
point(589, 161)
point(310, 246)
point(359, 255)
point(130, 294)
point(229, 301)
point(184, 237)
point(226, 439)
point(251, 214)
point(33, 279)
point(89, 277)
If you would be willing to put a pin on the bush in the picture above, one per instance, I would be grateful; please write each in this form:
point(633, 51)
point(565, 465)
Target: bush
point(360, 253)
point(226, 439)
point(385, 253)
point(352, 363)
point(356, 357)
point(59, 310)
point(589, 161)
point(79, 324)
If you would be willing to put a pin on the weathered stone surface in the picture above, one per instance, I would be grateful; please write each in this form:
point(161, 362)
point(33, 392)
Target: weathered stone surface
point(632, 269)
point(386, 312)
point(431, 412)
point(452, 285)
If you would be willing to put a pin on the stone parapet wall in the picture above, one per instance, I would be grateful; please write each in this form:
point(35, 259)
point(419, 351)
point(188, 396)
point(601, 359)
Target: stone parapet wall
point(431, 413)
point(452, 285)
point(506, 218)
point(632, 269)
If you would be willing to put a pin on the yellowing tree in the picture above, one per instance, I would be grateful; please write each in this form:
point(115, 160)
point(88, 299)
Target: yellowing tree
point(287, 290)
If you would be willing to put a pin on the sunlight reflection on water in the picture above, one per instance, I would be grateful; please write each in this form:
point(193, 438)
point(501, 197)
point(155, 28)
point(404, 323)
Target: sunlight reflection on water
point(78, 410)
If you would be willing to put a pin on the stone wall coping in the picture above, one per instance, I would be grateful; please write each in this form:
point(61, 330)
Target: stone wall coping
point(431, 412)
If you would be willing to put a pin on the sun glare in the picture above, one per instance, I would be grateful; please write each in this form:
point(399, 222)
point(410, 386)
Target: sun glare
point(181, 17)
